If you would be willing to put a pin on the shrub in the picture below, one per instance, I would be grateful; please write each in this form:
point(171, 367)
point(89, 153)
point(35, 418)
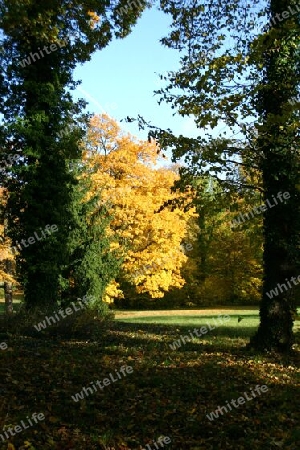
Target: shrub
point(88, 323)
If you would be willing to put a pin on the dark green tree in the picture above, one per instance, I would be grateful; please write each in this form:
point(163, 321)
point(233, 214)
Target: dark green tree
point(239, 80)
point(92, 263)
point(41, 43)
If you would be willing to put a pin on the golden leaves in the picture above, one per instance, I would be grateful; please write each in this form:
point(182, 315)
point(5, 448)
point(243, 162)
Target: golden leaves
point(94, 18)
point(125, 173)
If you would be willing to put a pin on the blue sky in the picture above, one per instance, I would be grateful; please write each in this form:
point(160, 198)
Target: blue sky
point(121, 78)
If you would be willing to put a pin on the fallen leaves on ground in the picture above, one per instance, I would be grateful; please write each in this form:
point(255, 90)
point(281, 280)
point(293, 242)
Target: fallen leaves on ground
point(169, 393)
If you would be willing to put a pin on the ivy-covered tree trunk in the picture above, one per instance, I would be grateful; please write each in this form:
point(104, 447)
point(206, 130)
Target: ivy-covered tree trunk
point(279, 141)
point(40, 204)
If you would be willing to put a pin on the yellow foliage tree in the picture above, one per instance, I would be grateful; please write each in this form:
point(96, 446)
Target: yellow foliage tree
point(135, 190)
point(5, 247)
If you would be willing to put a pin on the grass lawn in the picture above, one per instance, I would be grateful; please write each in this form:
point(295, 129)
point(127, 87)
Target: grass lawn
point(17, 298)
point(247, 318)
point(169, 392)
point(2, 306)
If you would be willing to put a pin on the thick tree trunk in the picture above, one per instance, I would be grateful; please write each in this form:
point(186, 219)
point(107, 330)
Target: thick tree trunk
point(277, 310)
point(280, 171)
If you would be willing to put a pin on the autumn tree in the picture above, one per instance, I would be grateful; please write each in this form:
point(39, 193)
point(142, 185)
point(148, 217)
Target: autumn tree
point(7, 256)
point(240, 76)
point(41, 43)
point(148, 224)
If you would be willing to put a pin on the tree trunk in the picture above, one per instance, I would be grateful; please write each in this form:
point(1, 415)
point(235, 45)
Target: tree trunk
point(280, 170)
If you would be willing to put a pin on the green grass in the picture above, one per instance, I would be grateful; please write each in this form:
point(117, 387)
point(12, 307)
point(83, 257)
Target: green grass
point(17, 299)
point(248, 320)
point(16, 305)
point(224, 335)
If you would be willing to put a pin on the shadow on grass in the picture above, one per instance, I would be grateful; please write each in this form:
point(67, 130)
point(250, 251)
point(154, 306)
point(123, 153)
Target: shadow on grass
point(158, 398)
point(158, 336)
point(174, 330)
point(151, 336)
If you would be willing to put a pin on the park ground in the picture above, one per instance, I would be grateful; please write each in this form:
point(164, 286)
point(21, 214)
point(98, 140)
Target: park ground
point(169, 392)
